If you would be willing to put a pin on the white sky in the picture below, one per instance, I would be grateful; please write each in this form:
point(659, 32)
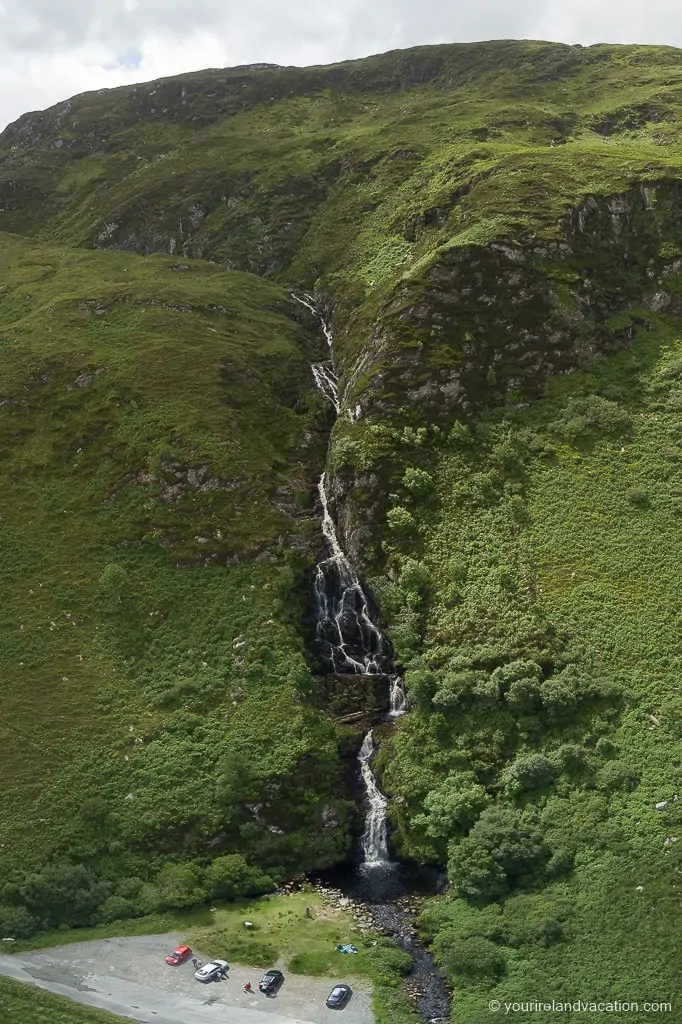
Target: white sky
point(53, 49)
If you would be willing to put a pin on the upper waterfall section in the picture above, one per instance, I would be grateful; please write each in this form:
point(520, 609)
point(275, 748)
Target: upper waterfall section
point(349, 639)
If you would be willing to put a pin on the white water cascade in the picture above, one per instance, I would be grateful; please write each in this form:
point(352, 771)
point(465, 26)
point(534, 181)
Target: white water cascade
point(374, 841)
point(324, 376)
point(349, 639)
point(398, 704)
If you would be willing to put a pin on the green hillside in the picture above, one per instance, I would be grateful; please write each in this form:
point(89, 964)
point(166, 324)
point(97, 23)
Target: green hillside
point(23, 1005)
point(495, 231)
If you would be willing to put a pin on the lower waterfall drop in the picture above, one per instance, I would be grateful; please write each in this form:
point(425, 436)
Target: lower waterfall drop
point(374, 842)
point(398, 700)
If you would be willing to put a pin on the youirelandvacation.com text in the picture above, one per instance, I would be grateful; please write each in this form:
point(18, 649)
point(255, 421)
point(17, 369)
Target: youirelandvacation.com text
point(577, 1006)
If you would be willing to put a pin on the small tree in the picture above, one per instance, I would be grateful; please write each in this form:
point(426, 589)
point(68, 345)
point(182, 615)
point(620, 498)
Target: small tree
point(474, 957)
point(503, 846)
point(473, 870)
point(558, 698)
point(400, 521)
point(113, 587)
point(418, 482)
point(534, 771)
point(17, 923)
point(179, 886)
point(453, 807)
point(231, 876)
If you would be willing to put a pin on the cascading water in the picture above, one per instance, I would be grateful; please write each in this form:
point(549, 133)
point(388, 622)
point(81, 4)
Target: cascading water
point(351, 643)
point(374, 839)
point(398, 701)
point(349, 640)
point(324, 376)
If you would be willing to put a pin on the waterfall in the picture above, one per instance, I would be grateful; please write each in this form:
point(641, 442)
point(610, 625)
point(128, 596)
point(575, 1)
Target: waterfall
point(349, 640)
point(374, 839)
point(398, 705)
point(327, 383)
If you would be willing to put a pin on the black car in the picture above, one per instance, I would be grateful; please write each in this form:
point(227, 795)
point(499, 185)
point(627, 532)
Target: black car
point(339, 997)
point(271, 983)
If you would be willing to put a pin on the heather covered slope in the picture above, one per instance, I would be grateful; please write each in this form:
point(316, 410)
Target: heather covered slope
point(495, 232)
point(538, 609)
point(158, 435)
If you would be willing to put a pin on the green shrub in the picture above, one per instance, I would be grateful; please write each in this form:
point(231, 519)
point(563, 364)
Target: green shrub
point(558, 698)
point(591, 415)
point(473, 870)
point(418, 482)
point(179, 886)
point(545, 933)
point(560, 863)
point(414, 436)
point(421, 685)
point(475, 958)
point(401, 521)
point(532, 771)
point(230, 876)
point(570, 758)
point(456, 687)
point(605, 747)
point(519, 681)
point(17, 923)
point(113, 587)
point(453, 807)
point(504, 848)
point(638, 498)
point(62, 893)
point(615, 775)
point(388, 960)
point(116, 908)
point(346, 454)
point(460, 435)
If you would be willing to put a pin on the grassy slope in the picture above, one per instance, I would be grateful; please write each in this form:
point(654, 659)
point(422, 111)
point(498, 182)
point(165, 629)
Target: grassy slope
point(577, 540)
point(22, 1004)
point(384, 182)
point(355, 173)
point(153, 428)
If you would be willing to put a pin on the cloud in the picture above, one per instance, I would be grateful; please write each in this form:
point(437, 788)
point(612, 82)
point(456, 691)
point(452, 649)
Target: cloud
point(52, 49)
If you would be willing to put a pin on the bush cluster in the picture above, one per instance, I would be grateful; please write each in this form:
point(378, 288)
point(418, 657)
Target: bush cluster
point(66, 894)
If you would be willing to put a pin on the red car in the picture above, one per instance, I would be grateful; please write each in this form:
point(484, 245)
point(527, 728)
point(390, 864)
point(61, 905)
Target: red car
point(178, 956)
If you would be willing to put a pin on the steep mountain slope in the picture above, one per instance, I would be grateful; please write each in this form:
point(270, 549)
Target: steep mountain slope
point(158, 432)
point(495, 231)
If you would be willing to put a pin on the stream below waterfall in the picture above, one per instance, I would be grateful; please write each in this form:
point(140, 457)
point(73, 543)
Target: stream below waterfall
point(350, 642)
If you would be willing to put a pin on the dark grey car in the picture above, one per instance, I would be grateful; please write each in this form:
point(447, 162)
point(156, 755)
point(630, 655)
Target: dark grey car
point(339, 997)
point(271, 983)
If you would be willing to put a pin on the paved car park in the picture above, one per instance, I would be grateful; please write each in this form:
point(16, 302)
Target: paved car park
point(129, 977)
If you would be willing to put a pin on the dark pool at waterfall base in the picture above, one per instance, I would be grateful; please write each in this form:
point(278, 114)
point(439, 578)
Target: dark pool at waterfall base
point(379, 883)
point(384, 889)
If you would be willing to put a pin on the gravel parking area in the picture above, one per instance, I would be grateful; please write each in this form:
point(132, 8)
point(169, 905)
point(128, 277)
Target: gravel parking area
point(129, 977)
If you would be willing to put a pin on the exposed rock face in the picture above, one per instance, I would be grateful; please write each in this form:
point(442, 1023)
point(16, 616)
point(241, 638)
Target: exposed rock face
point(483, 321)
point(348, 695)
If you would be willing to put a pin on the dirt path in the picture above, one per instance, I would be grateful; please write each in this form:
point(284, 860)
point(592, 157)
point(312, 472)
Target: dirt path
point(129, 977)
